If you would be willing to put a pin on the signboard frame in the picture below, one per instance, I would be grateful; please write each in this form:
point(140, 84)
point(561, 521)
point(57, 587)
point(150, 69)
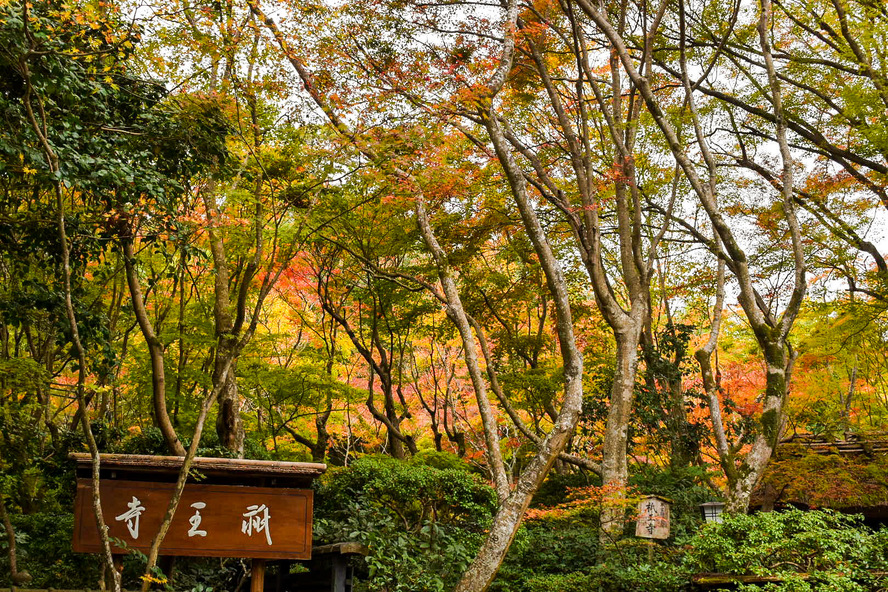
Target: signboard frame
point(222, 519)
point(247, 508)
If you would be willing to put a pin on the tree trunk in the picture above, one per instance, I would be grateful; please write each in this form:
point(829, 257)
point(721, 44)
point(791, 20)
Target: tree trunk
point(319, 450)
point(52, 160)
point(19, 578)
point(682, 451)
point(184, 471)
point(229, 425)
point(771, 333)
point(768, 432)
point(395, 443)
point(155, 351)
point(508, 518)
point(395, 439)
point(614, 467)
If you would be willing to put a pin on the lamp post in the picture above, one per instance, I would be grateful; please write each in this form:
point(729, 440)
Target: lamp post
point(712, 511)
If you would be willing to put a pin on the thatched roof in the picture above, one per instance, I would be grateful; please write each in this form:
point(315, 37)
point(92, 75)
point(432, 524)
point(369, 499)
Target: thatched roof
point(850, 475)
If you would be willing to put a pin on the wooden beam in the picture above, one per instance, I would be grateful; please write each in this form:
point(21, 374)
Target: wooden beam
point(227, 466)
point(257, 575)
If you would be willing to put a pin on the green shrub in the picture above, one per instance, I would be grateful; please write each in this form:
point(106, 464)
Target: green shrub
point(545, 549)
point(556, 488)
point(647, 577)
point(559, 582)
point(441, 460)
point(632, 565)
point(814, 550)
point(639, 564)
point(557, 549)
point(43, 542)
point(423, 525)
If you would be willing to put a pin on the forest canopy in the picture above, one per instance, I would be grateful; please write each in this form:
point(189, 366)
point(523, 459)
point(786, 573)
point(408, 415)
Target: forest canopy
point(504, 267)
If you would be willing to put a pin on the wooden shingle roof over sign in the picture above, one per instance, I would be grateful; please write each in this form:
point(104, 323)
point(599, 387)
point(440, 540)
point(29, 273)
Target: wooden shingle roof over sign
point(145, 467)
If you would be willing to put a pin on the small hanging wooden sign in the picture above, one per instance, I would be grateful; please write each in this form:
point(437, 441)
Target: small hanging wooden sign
point(653, 518)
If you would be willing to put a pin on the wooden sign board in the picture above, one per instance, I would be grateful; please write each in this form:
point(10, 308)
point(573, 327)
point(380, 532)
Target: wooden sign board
point(653, 518)
point(211, 520)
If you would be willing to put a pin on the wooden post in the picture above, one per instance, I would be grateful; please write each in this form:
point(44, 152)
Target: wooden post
point(341, 581)
point(330, 568)
point(283, 572)
point(257, 575)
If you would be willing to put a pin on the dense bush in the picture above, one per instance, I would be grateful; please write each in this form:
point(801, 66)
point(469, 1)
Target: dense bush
point(423, 525)
point(814, 550)
point(556, 488)
point(424, 520)
point(630, 566)
point(546, 549)
point(43, 541)
point(564, 556)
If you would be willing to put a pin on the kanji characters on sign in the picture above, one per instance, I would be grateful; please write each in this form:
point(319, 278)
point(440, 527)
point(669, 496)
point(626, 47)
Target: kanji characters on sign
point(131, 516)
point(257, 517)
